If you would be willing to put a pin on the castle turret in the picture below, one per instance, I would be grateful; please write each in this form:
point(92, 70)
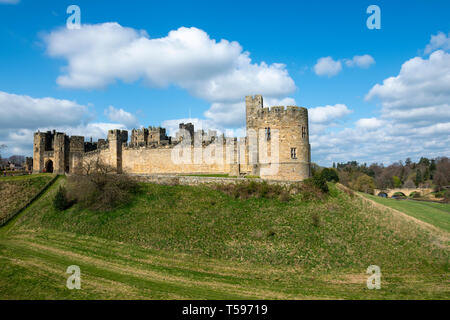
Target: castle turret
point(38, 152)
point(252, 105)
point(117, 138)
point(290, 127)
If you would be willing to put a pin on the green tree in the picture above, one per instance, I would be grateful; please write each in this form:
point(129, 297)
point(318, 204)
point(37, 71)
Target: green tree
point(364, 183)
point(330, 175)
point(426, 175)
point(419, 179)
point(408, 162)
point(396, 182)
point(424, 161)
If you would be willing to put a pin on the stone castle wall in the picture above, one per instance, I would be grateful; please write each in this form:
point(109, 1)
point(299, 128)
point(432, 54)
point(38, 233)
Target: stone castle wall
point(276, 148)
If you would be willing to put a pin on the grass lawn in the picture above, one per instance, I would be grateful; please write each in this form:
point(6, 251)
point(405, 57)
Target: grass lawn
point(17, 190)
point(181, 242)
point(437, 214)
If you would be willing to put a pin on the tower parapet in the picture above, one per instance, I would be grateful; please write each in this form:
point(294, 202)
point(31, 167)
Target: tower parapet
point(276, 135)
point(291, 125)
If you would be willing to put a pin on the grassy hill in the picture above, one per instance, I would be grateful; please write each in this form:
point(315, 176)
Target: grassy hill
point(195, 242)
point(437, 214)
point(16, 191)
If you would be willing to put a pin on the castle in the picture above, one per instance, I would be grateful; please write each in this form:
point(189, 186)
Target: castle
point(276, 147)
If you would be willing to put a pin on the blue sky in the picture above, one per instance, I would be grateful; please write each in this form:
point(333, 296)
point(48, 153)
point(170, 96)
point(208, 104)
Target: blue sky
point(98, 88)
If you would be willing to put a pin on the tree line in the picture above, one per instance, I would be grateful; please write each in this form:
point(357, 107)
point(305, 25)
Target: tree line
point(426, 173)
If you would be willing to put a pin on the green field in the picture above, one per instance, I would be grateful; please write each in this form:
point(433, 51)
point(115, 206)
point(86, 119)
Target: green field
point(437, 214)
point(181, 242)
point(15, 191)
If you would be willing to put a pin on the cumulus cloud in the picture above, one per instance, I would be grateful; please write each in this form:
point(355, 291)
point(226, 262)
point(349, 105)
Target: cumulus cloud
point(121, 116)
point(364, 61)
point(326, 66)
point(438, 41)
point(22, 111)
point(421, 83)
point(328, 114)
point(369, 123)
point(218, 71)
point(414, 118)
point(23, 115)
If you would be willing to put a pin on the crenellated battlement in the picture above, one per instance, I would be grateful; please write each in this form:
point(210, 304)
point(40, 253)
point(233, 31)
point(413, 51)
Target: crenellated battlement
point(277, 116)
point(151, 150)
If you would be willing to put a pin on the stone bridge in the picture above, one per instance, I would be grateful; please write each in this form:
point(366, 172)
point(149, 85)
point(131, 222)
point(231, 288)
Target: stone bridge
point(405, 191)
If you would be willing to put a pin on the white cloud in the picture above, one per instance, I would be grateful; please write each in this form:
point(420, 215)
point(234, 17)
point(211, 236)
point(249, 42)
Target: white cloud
point(369, 123)
point(218, 71)
point(121, 116)
point(23, 115)
point(420, 83)
point(21, 111)
point(326, 66)
point(414, 118)
point(364, 61)
point(438, 41)
point(327, 114)
point(20, 141)
point(9, 1)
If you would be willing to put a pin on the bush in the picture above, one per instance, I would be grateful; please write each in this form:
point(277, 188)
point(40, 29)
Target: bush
point(330, 175)
point(253, 189)
point(61, 201)
point(99, 188)
point(315, 219)
point(363, 183)
point(285, 196)
point(310, 189)
point(319, 182)
point(415, 194)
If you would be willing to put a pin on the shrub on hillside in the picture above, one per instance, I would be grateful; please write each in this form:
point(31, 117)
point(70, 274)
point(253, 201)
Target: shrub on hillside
point(61, 201)
point(363, 183)
point(100, 188)
point(330, 174)
point(253, 189)
point(319, 182)
point(314, 188)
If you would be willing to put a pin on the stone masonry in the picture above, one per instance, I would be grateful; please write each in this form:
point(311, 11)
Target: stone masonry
point(276, 147)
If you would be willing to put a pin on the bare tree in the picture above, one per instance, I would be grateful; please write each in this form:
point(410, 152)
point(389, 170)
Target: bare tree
point(99, 187)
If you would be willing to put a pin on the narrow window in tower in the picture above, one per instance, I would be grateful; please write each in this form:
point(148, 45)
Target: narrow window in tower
point(293, 153)
point(303, 132)
point(267, 133)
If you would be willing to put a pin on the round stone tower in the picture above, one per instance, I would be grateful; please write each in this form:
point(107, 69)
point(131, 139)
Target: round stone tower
point(282, 137)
